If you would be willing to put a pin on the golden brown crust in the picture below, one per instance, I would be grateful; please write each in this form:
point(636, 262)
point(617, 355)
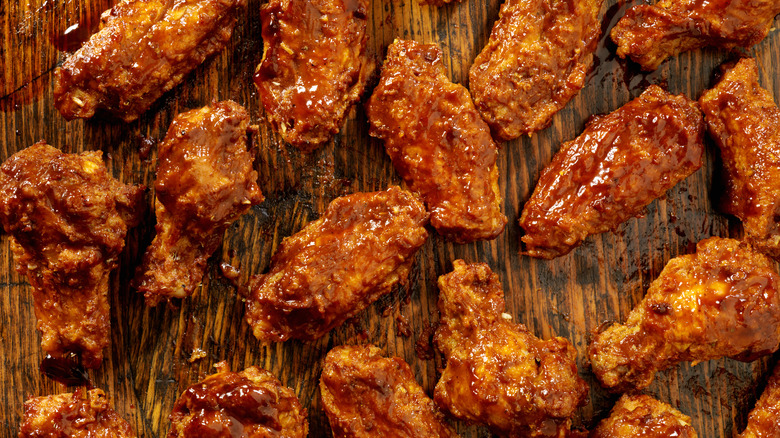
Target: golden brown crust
point(641, 416)
point(366, 395)
point(438, 142)
point(205, 182)
point(612, 171)
point(764, 419)
point(497, 372)
point(144, 48)
point(721, 301)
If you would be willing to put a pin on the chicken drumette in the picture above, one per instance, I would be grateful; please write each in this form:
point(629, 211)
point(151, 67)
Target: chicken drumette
point(642, 416)
point(764, 419)
point(83, 414)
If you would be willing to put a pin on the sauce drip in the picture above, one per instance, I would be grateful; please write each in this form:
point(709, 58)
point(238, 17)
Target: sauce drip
point(66, 370)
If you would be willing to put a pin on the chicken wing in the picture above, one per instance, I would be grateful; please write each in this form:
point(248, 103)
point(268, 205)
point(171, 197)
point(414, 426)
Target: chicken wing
point(438, 142)
point(642, 416)
point(336, 266)
point(612, 171)
point(536, 61)
point(764, 419)
point(249, 404)
point(366, 395)
point(314, 68)
point(745, 122)
point(83, 414)
point(721, 301)
point(144, 48)
point(67, 218)
point(205, 182)
point(650, 34)
point(497, 372)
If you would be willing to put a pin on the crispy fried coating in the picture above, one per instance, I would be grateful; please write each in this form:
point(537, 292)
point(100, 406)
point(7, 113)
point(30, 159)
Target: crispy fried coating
point(721, 301)
point(205, 182)
point(744, 121)
point(68, 219)
point(612, 171)
point(642, 416)
point(438, 142)
point(497, 372)
point(366, 395)
point(314, 67)
point(249, 404)
point(536, 61)
point(648, 34)
point(361, 247)
point(143, 49)
point(764, 419)
point(83, 414)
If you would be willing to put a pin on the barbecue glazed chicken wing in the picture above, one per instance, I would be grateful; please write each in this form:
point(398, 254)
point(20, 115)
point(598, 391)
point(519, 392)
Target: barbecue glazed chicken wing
point(205, 182)
point(721, 301)
point(497, 372)
point(369, 396)
point(438, 142)
point(641, 416)
point(764, 419)
point(67, 218)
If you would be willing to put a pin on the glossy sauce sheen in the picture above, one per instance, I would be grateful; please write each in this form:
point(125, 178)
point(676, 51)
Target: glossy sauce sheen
point(764, 419)
point(641, 416)
point(612, 171)
point(438, 142)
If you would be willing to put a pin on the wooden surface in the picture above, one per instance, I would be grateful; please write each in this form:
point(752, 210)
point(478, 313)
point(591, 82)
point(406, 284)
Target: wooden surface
point(146, 367)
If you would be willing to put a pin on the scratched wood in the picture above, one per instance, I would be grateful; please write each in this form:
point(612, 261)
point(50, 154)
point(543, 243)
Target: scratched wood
point(146, 367)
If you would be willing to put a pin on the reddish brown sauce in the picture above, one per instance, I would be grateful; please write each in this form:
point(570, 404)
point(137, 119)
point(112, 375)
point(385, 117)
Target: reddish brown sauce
point(66, 370)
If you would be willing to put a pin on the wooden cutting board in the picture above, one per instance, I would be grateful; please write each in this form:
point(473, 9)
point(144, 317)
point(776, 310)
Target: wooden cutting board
point(147, 365)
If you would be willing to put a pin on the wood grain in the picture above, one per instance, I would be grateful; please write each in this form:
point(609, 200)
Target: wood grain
point(146, 367)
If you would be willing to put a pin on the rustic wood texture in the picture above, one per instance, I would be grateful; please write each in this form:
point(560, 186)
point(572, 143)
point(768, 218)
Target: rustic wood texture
point(146, 367)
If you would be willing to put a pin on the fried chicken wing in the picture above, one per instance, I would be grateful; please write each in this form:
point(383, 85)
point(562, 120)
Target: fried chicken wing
point(764, 419)
point(366, 395)
point(648, 34)
point(535, 62)
point(205, 182)
point(67, 218)
point(438, 142)
point(642, 416)
point(497, 372)
point(721, 301)
point(83, 414)
point(143, 49)
point(249, 404)
point(361, 247)
point(314, 67)
point(744, 121)
point(612, 171)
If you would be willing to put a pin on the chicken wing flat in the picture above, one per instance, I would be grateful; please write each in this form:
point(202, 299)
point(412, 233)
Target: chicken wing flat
point(205, 182)
point(650, 34)
point(744, 121)
point(67, 218)
point(764, 419)
point(249, 404)
point(361, 247)
point(536, 60)
point(369, 396)
point(642, 416)
point(143, 49)
point(497, 372)
point(721, 301)
point(612, 171)
point(438, 142)
point(314, 67)
point(83, 414)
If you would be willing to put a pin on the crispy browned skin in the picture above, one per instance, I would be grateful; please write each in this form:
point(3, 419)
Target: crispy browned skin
point(205, 181)
point(438, 142)
point(764, 419)
point(642, 416)
point(250, 404)
point(497, 372)
point(144, 48)
point(650, 34)
point(538, 56)
point(612, 171)
point(332, 269)
point(744, 121)
point(314, 67)
point(721, 301)
point(366, 395)
point(83, 414)
point(67, 218)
